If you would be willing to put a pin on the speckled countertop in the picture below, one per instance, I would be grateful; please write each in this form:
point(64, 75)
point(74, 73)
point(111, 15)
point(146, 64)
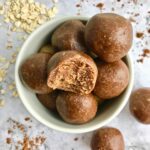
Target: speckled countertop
point(17, 126)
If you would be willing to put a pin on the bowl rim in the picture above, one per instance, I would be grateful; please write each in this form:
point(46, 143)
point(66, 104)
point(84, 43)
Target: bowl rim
point(55, 126)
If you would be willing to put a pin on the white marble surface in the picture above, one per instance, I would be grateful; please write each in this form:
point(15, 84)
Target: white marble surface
point(136, 135)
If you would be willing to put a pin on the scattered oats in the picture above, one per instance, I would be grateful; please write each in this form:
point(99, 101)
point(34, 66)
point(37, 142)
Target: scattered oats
point(7, 20)
point(31, 1)
point(54, 9)
point(2, 74)
point(1, 10)
point(26, 14)
point(2, 59)
point(55, 1)
point(2, 103)
point(14, 55)
point(18, 24)
point(11, 86)
point(9, 45)
point(12, 61)
point(52, 12)
point(5, 66)
point(2, 91)
point(15, 94)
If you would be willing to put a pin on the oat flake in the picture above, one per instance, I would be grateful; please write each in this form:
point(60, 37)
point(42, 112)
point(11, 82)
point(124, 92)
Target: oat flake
point(26, 14)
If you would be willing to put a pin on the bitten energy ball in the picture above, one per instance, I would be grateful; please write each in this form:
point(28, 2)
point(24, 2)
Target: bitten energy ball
point(72, 71)
point(107, 139)
point(34, 73)
point(48, 100)
point(76, 108)
point(69, 36)
point(140, 105)
point(109, 36)
point(112, 79)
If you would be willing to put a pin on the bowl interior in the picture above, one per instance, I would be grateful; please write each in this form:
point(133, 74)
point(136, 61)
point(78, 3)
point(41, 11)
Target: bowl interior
point(106, 112)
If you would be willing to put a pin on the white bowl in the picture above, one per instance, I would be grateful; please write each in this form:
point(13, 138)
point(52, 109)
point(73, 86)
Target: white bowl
point(108, 112)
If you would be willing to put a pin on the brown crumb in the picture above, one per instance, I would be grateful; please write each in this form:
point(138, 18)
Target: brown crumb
point(9, 131)
point(137, 14)
point(148, 30)
point(118, 0)
point(139, 34)
point(113, 9)
point(122, 5)
point(78, 5)
point(140, 60)
point(27, 142)
point(42, 139)
point(76, 139)
point(100, 5)
point(8, 140)
point(135, 1)
point(146, 53)
point(27, 119)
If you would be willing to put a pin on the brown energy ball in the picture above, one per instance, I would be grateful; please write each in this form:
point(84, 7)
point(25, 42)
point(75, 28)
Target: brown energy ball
point(109, 36)
point(47, 49)
point(34, 73)
point(72, 71)
point(76, 108)
point(48, 100)
point(112, 79)
point(107, 138)
point(69, 36)
point(140, 105)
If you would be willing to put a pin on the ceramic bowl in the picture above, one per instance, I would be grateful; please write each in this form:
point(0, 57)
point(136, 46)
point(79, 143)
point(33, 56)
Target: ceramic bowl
point(107, 112)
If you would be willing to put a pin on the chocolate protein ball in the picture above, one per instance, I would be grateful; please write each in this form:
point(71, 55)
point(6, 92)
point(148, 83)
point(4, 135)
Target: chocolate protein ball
point(76, 108)
point(72, 71)
point(109, 36)
point(112, 79)
point(69, 36)
point(107, 138)
point(140, 105)
point(33, 73)
point(48, 100)
point(47, 49)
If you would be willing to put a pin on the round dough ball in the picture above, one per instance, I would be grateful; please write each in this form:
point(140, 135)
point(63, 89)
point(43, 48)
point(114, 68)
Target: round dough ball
point(112, 79)
point(33, 73)
point(69, 36)
point(76, 108)
point(109, 36)
point(140, 105)
point(107, 138)
point(72, 71)
point(47, 49)
point(48, 100)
